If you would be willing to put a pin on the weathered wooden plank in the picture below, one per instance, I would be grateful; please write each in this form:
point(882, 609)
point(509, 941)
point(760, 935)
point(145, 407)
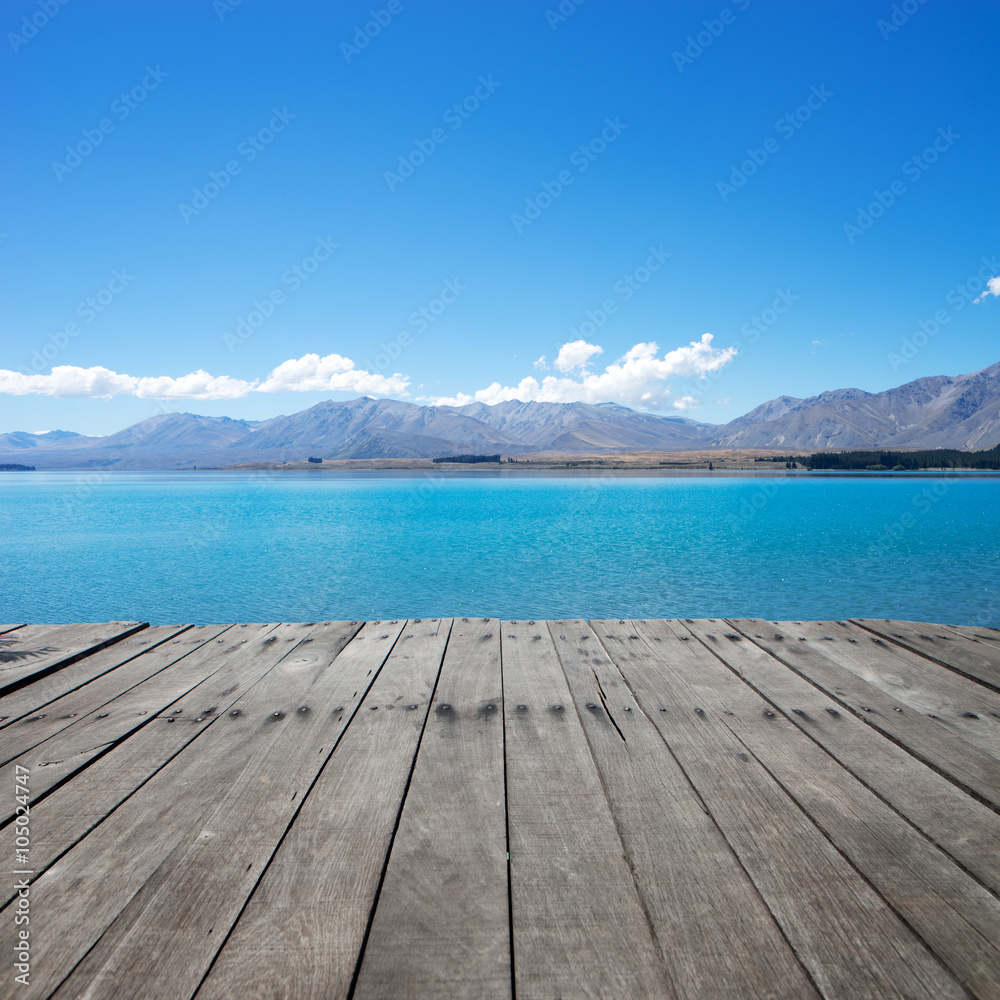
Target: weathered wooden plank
point(954, 915)
point(142, 658)
point(824, 664)
point(302, 930)
point(579, 925)
point(849, 939)
point(4, 629)
point(33, 632)
point(978, 633)
point(441, 925)
point(74, 808)
point(980, 661)
point(87, 889)
point(962, 706)
point(962, 826)
point(24, 658)
point(717, 936)
point(71, 749)
point(32, 698)
point(161, 944)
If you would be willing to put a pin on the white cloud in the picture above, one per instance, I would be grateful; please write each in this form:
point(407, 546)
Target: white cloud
point(67, 381)
point(575, 355)
point(197, 385)
point(310, 373)
point(541, 365)
point(638, 378)
point(992, 288)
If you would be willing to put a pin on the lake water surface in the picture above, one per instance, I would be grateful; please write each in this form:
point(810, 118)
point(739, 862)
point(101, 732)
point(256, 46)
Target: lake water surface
point(234, 547)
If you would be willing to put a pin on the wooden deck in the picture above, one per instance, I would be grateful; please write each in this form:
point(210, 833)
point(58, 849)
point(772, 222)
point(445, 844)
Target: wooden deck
point(469, 808)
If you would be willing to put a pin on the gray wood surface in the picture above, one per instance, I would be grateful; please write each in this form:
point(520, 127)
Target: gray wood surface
point(34, 697)
point(963, 706)
point(580, 926)
point(72, 748)
point(146, 653)
point(441, 927)
point(957, 918)
point(692, 809)
point(828, 666)
point(163, 941)
point(980, 661)
point(25, 657)
point(79, 896)
point(977, 632)
point(845, 934)
point(965, 828)
point(76, 807)
point(302, 930)
point(717, 936)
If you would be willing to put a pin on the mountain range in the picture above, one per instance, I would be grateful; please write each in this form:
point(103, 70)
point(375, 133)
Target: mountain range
point(936, 412)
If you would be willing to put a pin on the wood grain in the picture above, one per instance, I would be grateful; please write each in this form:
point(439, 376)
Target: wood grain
point(85, 738)
point(961, 705)
point(580, 927)
point(302, 931)
point(978, 661)
point(145, 654)
point(717, 936)
point(25, 657)
point(79, 896)
point(441, 926)
point(828, 665)
point(164, 940)
point(963, 827)
point(957, 918)
point(851, 942)
point(33, 697)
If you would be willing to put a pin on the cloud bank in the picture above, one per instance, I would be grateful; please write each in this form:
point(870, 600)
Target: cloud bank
point(638, 378)
point(310, 373)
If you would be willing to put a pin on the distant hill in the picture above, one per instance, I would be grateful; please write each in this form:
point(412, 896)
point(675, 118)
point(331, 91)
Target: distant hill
point(365, 428)
point(960, 412)
point(938, 412)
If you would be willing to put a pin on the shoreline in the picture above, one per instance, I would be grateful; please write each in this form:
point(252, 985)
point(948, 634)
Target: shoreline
point(505, 472)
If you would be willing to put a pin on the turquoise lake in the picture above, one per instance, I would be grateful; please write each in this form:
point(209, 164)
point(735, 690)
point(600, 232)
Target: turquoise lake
point(243, 547)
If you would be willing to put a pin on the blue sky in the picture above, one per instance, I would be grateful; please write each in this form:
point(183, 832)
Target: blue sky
point(601, 153)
